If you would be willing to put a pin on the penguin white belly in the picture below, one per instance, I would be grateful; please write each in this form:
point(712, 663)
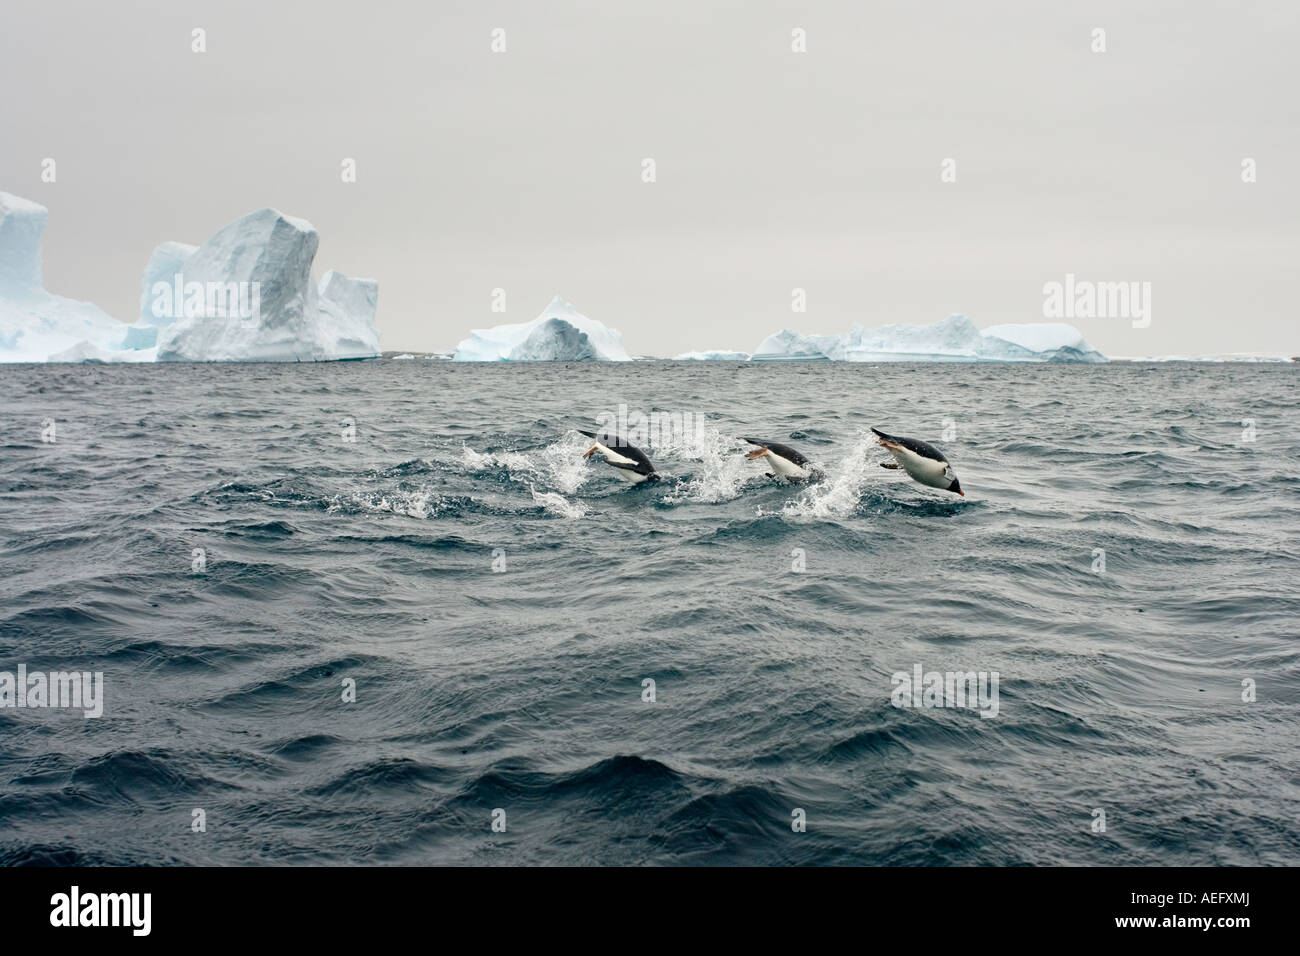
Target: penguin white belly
point(614, 458)
point(925, 470)
point(785, 468)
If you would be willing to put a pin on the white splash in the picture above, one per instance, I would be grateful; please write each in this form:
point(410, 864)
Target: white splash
point(721, 470)
point(838, 494)
point(413, 504)
point(559, 465)
point(558, 504)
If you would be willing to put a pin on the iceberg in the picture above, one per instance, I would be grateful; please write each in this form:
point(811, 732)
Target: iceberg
point(716, 355)
point(1039, 336)
point(246, 295)
point(789, 346)
point(347, 314)
point(954, 339)
point(90, 352)
point(34, 323)
point(165, 265)
point(1045, 341)
point(555, 340)
point(544, 340)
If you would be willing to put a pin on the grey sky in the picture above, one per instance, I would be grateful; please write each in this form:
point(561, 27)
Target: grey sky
point(775, 169)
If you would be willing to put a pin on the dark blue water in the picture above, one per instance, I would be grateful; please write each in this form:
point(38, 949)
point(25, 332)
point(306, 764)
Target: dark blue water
point(521, 690)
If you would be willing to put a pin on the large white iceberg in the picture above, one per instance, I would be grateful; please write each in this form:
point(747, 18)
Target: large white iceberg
point(559, 334)
point(954, 339)
point(246, 295)
point(34, 323)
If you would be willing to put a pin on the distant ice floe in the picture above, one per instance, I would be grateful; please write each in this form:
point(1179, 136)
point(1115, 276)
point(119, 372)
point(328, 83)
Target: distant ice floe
point(1225, 357)
point(714, 355)
point(559, 334)
point(954, 339)
point(245, 295)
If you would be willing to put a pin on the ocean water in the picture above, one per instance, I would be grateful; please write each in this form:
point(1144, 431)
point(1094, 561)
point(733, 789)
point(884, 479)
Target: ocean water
point(498, 602)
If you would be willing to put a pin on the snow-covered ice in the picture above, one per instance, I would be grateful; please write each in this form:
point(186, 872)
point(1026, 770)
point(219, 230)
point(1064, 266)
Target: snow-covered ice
point(554, 342)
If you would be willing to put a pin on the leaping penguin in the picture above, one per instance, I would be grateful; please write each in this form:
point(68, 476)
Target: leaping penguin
point(785, 461)
point(630, 461)
point(925, 463)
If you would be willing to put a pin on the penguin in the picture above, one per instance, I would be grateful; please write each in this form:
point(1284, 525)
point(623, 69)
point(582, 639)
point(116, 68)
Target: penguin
point(925, 463)
point(785, 461)
point(630, 461)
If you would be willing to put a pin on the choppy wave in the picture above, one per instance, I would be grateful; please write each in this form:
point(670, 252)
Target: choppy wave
point(389, 639)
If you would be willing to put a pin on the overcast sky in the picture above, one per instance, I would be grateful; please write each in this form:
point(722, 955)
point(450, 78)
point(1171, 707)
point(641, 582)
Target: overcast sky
point(775, 169)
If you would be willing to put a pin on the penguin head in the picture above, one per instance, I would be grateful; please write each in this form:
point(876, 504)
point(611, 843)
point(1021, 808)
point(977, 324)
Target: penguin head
point(956, 486)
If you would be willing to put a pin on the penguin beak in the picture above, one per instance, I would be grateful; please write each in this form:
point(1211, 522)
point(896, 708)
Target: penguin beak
point(590, 451)
point(756, 454)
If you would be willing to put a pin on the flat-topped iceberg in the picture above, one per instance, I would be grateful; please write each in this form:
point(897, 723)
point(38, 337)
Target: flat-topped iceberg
point(35, 323)
point(954, 339)
point(559, 334)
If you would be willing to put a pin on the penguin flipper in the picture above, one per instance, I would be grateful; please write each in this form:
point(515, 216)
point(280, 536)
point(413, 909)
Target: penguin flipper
point(889, 464)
